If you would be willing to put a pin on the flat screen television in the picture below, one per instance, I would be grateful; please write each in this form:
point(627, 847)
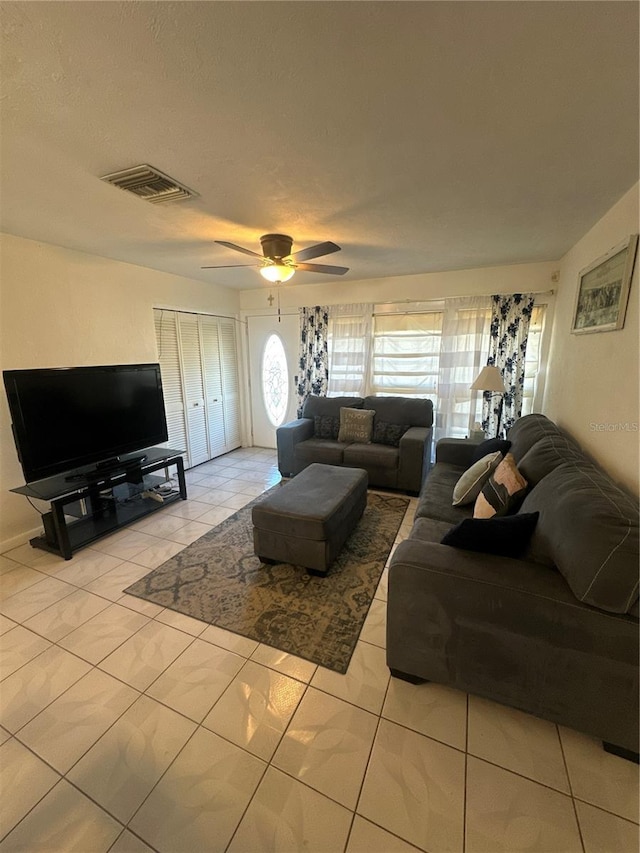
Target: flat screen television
point(70, 417)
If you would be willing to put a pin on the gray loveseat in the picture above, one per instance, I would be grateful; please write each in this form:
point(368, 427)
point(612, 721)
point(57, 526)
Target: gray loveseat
point(391, 461)
point(554, 633)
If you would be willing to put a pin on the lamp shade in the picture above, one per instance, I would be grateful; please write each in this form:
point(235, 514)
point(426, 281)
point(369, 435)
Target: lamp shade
point(277, 272)
point(489, 379)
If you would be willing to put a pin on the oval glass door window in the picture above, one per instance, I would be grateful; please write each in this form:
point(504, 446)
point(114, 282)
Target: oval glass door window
point(275, 380)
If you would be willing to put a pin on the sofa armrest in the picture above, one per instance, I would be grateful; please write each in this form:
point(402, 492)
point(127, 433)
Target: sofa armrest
point(512, 631)
point(287, 436)
point(455, 451)
point(415, 458)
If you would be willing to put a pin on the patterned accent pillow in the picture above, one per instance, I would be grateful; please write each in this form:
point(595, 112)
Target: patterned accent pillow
point(503, 491)
point(356, 425)
point(326, 426)
point(386, 433)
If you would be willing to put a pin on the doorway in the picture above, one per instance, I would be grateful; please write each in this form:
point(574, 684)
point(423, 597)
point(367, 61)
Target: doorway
point(273, 355)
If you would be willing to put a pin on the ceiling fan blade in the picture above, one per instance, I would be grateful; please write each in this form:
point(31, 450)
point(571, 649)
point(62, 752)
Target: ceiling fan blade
point(237, 248)
point(322, 268)
point(315, 251)
point(229, 266)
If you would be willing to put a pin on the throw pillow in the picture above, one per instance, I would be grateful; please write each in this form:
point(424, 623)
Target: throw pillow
point(470, 484)
point(502, 492)
point(491, 445)
point(325, 426)
point(356, 425)
point(386, 433)
point(507, 537)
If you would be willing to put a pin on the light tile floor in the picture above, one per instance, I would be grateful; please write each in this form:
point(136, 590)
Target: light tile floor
point(125, 727)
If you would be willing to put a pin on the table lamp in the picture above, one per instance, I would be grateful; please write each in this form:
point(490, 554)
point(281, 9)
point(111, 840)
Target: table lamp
point(490, 379)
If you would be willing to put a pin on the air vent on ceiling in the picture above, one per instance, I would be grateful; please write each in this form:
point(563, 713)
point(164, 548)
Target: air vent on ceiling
point(148, 183)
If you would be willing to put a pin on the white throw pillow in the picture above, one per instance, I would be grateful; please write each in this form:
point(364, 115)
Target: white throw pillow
point(470, 484)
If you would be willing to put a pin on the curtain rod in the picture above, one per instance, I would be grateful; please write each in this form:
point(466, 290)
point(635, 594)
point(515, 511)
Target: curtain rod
point(198, 313)
point(466, 296)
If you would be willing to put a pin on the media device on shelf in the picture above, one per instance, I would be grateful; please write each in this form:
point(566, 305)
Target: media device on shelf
point(71, 417)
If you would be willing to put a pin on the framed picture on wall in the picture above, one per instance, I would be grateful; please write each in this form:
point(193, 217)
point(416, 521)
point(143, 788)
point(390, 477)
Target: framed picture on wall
point(603, 290)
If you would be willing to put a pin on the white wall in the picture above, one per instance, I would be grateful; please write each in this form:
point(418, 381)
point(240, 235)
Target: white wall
point(593, 378)
point(64, 308)
point(518, 278)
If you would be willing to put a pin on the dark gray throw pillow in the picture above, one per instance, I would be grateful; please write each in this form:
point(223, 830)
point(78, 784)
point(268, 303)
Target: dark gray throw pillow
point(491, 445)
point(506, 536)
point(325, 426)
point(386, 433)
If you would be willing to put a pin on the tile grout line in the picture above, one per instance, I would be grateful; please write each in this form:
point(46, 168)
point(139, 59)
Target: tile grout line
point(466, 776)
point(573, 800)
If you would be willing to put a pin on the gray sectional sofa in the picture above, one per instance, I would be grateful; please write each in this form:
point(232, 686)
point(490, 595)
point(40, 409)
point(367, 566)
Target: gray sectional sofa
point(398, 456)
point(553, 632)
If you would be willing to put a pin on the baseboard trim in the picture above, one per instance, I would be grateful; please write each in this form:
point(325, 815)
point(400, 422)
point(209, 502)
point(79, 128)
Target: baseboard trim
point(20, 539)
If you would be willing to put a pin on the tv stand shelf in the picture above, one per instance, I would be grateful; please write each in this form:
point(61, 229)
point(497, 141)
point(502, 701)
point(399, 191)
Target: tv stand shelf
point(97, 503)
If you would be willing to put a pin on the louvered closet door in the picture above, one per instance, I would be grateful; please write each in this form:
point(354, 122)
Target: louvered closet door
point(169, 360)
point(230, 383)
point(214, 405)
point(193, 385)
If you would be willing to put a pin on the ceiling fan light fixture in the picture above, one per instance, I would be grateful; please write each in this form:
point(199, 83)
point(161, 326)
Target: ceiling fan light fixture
point(277, 272)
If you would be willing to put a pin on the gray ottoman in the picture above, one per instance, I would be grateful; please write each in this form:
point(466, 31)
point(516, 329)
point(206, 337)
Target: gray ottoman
point(307, 521)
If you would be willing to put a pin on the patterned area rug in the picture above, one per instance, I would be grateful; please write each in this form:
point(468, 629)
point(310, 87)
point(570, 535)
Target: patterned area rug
point(218, 579)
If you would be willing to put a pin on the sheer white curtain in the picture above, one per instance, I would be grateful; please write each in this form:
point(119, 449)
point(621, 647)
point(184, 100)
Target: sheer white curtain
point(466, 328)
point(349, 349)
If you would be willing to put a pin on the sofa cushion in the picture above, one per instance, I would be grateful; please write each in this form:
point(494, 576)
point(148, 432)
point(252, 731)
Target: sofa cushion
point(429, 529)
point(469, 486)
point(369, 456)
point(588, 528)
point(328, 406)
point(435, 498)
point(546, 454)
point(401, 410)
point(491, 445)
point(508, 536)
point(318, 450)
point(502, 492)
point(356, 425)
point(326, 426)
point(386, 433)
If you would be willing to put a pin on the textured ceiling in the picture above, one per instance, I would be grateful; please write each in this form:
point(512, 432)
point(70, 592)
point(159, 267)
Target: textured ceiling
point(418, 136)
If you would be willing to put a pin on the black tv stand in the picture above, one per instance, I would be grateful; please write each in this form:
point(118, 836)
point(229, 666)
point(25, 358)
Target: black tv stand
point(107, 466)
point(91, 504)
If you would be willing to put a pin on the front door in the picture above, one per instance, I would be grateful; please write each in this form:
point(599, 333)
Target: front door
point(273, 357)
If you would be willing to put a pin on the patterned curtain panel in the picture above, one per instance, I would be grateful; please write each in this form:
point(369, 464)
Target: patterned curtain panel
point(313, 375)
point(510, 319)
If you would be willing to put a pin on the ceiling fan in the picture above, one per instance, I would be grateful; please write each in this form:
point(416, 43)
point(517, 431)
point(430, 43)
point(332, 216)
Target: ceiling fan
point(278, 264)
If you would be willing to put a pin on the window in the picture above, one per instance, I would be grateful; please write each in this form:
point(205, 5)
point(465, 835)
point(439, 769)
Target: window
point(406, 354)
point(532, 360)
point(275, 380)
point(434, 351)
